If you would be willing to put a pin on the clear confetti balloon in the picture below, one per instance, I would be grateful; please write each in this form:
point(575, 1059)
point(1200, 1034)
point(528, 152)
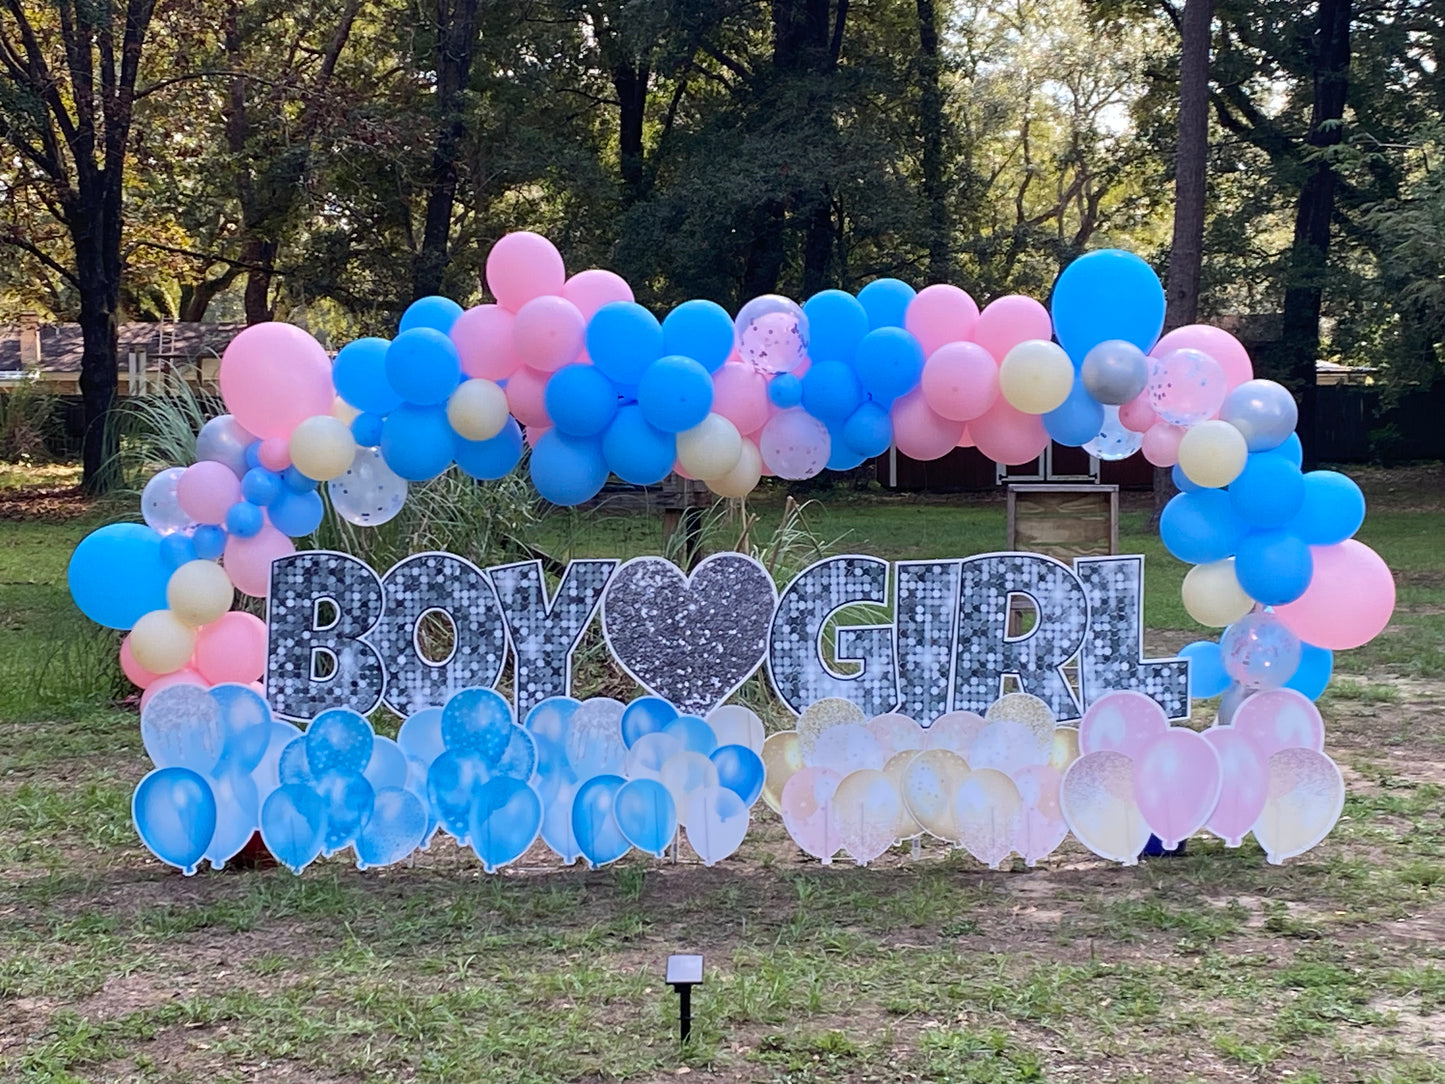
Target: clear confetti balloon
point(1114, 441)
point(159, 505)
point(1186, 386)
point(772, 334)
point(370, 493)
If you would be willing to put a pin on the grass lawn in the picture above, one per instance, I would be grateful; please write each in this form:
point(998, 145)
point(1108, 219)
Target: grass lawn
point(1211, 967)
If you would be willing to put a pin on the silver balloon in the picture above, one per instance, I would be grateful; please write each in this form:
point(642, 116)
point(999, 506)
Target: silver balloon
point(1114, 372)
point(1265, 412)
point(1114, 441)
point(370, 492)
point(222, 440)
point(1233, 698)
point(159, 505)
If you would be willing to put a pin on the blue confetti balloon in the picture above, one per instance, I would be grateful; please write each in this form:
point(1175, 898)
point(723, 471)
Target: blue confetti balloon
point(567, 470)
point(580, 400)
point(118, 574)
point(477, 721)
point(1332, 508)
point(1201, 527)
point(397, 826)
point(1273, 567)
point(491, 459)
point(506, 818)
point(293, 825)
point(1207, 676)
point(339, 739)
point(360, 376)
point(175, 814)
point(886, 302)
point(594, 821)
point(675, 394)
point(646, 815)
point(623, 339)
point(423, 366)
point(348, 798)
point(297, 514)
point(637, 452)
point(837, 323)
point(1109, 294)
point(831, 392)
point(869, 430)
point(1268, 492)
point(417, 442)
point(889, 363)
point(437, 313)
point(740, 770)
point(701, 330)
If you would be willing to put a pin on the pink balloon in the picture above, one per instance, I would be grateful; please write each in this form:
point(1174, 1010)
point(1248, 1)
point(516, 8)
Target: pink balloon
point(1042, 827)
point(590, 290)
point(1007, 435)
point(206, 491)
point(1161, 444)
point(231, 648)
point(960, 381)
point(1121, 722)
point(740, 394)
point(1176, 783)
point(533, 433)
point(137, 673)
point(522, 266)
point(248, 560)
point(1280, 719)
point(549, 333)
point(1186, 386)
point(966, 439)
point(274, 376)
point(1137, 415)
point(918, 432)
point(527, 397)
point(940, 314)
point(259, 688)
point(183, 676)
point(1217, 343)
point(274, 453)
point(1348, 602)
point(1244, 785)
point(1008, 321)
point(795, 444)
point(485, 339)
point(806, 816)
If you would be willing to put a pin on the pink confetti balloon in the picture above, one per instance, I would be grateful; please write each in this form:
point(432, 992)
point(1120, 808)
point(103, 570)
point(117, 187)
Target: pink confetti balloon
point(273, 377)
point(485, 339)
point(548, 333)
point(1219, 344)
point(795, 445)
point(740, 394)
point(1186, 386)
point(248, 560)
point(1097, 800)
point(1306, 798)
point(1008, 321)
point(960, 381)
point(522, 266)
point(774, 342)
point(1244, 784)
point(1348, 602)
point(1007, 435)
point(590, 290)
point(527, 397)
point(232, 649)
point(1042, 827)
point(206, 491)
point(1123, 722)
point(940, 314)
point(895, 733)
point(806, 813)
point(918, 432)
point(1280, 719)
point(1176, 783)
point(1161, 444)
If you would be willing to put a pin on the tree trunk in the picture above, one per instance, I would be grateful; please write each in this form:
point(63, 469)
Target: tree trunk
point(1309, 253)
point(99, 304)
point(1191, 159)
point(940, 258)
point(630, 83)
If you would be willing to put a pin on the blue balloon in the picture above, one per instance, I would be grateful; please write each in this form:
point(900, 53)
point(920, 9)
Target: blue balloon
point(1109, 294)
point(646, 815)
point(869, 430)
point(366, 430)
point(437, 313)
point(1181, 480)
point(417, 442)
point(420, 736)
point(1273, 567)
point(1078, 421)
point(244, 520)
point(675, 394)
point(297, 482)
point(646, 715)
point(637, 452)
point(267, 773)
point(387, 766)
point(623, 339)
point(693, 734)
point(840, 456)
point(886, 302)
point(360, 376)
point(245, 724)
point(1312, 676)
point(1201, 527)
point(491, 459)
point(836, 325)
point(238, 812)
point(558, 793)
point(1268, 492)
point(1291, 449)
point(423, 366)
point(505, 819)
point(1332, 508)
point(477, 721)
point(261, 486)
point(118, 574)
point(519, 759)
point(209, 542)
point(594, 820)
point(397, 826)
point(297, 514)
point(1207, 676)
point(339, 739)
point(785, 390)
point(253, 455)
point(701, 330)
point(177, 549)
point(740, 770)
point(349, 799)
point(889, 363)
point(567, 470)
point(550, 724)
point(175, 814)
point(293, 765)
point(581, 401)
point(831, 392)
point(452, 783)
point(293, 825)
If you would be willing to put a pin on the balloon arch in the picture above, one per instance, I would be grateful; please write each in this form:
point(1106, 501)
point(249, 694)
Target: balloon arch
point(598, 386)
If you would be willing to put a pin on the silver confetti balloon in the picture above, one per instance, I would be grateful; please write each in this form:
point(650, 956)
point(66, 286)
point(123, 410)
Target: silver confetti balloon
point(370, 493)
point(1114, 372)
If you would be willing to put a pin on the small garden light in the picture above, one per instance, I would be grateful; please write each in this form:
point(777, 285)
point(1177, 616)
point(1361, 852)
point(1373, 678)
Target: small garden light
point(683, 973)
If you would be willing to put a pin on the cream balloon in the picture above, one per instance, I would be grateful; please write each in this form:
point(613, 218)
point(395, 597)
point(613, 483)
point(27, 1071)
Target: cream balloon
point(896, 768)
point(1212, 594)
point(782, 759)
point(199, 592)
point(988, 814)
point(1036, 376)
point(477, 410)
point(745, 475)
point(1212, 453)
point(343, 411)
point(866, 807)
point(710, 449)
point(161, 642)
point(1097, 800)
point(930, 784)
point(322, 448)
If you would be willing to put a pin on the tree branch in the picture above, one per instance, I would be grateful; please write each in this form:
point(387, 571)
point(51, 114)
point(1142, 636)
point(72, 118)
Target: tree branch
point(42, 256)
